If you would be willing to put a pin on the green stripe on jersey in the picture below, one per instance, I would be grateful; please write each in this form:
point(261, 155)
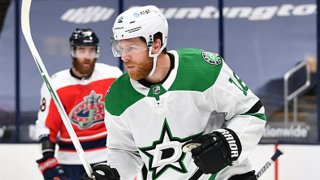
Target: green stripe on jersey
point(257, 115)
point(195, 73)
point(117, 102)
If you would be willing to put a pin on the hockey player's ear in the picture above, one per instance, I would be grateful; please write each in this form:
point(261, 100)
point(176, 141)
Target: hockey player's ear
point(156, 46)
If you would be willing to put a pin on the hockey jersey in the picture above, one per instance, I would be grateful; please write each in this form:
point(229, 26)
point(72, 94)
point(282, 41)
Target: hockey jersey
point(148, 125)
point(83, 101)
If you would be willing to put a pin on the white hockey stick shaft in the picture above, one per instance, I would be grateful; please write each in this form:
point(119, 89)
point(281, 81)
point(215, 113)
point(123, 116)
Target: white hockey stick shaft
point(25, 26)
point(269, 163)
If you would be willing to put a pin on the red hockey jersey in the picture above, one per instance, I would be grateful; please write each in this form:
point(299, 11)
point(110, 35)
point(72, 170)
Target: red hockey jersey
point(83, 101)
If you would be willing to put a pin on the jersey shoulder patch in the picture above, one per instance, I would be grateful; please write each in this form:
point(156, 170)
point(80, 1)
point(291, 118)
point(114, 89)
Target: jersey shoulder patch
point(211, 58)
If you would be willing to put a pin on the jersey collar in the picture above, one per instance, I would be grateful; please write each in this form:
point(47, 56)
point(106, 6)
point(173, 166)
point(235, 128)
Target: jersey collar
point(168, 81)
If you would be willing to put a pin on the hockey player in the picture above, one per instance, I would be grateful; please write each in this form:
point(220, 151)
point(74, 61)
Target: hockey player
point(159, 110)
point(81, 89)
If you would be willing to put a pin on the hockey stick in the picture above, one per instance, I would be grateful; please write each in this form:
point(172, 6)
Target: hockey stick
point(25, 26)
point(269, 163)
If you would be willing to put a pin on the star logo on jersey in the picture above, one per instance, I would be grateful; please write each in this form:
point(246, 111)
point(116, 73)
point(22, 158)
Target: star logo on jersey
point(88, 112)
point(211, 58)
point(166, 152)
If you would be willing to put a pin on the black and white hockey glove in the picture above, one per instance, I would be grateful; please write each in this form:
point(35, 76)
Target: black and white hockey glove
point(213, 152)
point(102, 172)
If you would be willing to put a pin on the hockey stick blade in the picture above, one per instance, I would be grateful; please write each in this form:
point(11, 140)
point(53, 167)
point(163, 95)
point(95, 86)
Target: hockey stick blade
point(266, 166)
point(25, 26)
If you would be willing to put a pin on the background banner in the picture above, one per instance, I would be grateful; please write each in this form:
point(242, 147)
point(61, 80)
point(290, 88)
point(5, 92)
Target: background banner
point(263, 40)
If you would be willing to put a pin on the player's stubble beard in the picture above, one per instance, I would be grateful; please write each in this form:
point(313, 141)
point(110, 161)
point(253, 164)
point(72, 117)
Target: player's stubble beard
point(83, 68)
point(142, 70)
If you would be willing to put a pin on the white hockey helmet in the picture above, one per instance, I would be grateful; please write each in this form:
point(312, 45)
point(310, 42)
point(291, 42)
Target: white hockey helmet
point(142, 21)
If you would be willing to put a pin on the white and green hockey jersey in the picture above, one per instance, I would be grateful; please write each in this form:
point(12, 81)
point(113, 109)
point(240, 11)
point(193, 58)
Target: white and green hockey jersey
point(149, 125)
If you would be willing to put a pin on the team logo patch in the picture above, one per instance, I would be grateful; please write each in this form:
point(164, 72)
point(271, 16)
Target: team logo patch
point(156, 90)
point(88, 112)
point(211, 58)
point(165, 153)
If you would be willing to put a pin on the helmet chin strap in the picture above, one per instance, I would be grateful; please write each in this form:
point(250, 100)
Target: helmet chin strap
point(155, 58)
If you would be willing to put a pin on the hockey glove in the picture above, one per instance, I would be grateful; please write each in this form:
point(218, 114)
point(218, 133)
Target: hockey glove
point(50, 168)
point(213, 152)
point(102, 172)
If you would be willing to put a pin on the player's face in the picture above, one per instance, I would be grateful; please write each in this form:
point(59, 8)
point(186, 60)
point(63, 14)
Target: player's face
point(85, 59)
point(134, 54)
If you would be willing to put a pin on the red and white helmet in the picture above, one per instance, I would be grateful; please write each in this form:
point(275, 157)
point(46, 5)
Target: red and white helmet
point(142, 21)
